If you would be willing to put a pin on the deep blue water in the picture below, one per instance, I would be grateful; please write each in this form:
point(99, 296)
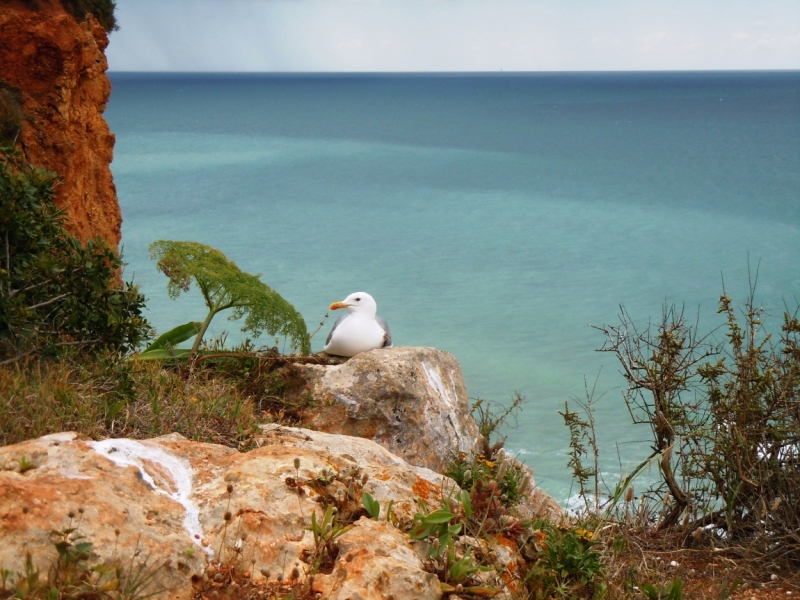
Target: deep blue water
point(493, 216)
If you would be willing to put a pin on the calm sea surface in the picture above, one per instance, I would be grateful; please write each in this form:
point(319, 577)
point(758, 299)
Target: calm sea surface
point(492, 216)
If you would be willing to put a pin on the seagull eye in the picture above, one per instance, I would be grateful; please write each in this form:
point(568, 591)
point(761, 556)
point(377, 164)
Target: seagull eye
point(358, 299)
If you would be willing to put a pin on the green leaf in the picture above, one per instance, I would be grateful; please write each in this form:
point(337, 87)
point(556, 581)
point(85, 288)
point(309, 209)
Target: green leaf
point(372, 506)
point(482, 590)
point(165, 354)
point(421, 531)
point(113, 410)
point(438, 516)
point(175, 336)
point(466, 502)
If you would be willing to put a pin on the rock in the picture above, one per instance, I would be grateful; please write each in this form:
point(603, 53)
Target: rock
point(535, 504)
point(57, 69)
point(71, 485)
point(412, 401)
point(390, 475)
point(375, 561)
point(500, 552)
point(168, 499)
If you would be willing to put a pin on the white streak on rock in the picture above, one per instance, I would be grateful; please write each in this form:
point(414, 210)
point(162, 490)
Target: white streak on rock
point(451, 400)
point(125, 453)
point(57, 438)
point(435, 381)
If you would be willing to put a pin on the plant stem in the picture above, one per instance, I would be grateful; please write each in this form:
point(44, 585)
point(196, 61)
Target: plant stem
point(202, 331)
point(8, 265)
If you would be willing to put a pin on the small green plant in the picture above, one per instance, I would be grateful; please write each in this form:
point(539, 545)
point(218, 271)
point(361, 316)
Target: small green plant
point(568, 565)
point(582, 432)
point(436, 524)
point(25, 464)
point(326, 532)
point(491, 418)
point(440, 527)
point(70, 576)
point(672, 591)
point(223, 286)
point(459, 569)
point(371, 505)
point(727, 588)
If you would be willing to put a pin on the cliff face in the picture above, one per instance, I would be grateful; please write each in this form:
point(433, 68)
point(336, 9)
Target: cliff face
point(59, 69)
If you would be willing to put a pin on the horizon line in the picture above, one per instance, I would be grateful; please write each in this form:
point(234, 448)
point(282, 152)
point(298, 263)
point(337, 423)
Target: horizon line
point(500, 72)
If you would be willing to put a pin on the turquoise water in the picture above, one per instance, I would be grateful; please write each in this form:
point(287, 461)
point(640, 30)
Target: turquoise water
point(490, 216)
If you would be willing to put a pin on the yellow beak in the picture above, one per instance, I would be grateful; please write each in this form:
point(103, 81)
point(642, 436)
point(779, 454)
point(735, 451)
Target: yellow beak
point(337, 305)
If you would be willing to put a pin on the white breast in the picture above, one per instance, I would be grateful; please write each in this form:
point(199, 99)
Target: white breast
point(356, 333)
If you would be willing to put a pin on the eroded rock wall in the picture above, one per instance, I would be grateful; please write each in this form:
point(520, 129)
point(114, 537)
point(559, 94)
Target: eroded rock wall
point(59, 68)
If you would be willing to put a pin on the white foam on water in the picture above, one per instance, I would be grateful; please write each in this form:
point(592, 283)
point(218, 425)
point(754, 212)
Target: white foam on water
point(125, 453)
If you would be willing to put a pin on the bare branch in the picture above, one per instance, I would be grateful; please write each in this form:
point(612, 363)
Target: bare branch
point(49, 302)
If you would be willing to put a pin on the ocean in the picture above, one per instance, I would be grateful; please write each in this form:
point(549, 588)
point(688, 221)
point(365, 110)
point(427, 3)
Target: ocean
point(495, 216)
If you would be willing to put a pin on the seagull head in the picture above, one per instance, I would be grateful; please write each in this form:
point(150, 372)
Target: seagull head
point(359, 303)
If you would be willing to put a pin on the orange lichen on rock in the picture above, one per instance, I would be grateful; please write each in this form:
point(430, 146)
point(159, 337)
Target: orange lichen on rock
point(57, 68)
point(423, 488)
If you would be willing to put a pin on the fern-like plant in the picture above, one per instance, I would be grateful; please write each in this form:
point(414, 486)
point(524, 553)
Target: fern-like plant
point(224, 286)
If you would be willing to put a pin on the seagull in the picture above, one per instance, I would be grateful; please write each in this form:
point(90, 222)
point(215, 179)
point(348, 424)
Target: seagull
point(358, 331)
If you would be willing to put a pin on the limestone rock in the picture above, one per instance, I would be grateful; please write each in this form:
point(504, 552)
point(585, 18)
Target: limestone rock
point(167, 498)
point(375, 561)
point(412, 401)
point(58, 69)
point(536, 503)
point(71, 485)
point(390, 476)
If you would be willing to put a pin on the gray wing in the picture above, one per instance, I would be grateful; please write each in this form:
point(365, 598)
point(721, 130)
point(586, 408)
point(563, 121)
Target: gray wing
point(387, 335)
point(335, 325)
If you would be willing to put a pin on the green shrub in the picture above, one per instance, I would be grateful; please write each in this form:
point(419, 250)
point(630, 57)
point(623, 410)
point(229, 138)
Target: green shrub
point(725, 424)
point(568, 565)
point(56, 293)
point(103, 10)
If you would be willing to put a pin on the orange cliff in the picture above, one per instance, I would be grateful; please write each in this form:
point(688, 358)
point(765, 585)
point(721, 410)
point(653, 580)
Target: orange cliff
point(57, 69)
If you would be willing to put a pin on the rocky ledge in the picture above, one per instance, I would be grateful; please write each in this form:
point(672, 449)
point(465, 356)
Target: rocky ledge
point(174, 508)
point(412, 401)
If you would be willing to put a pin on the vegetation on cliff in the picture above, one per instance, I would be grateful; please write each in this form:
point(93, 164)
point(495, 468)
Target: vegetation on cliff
point(102, 10)
point(725, 423)
point(56, 293)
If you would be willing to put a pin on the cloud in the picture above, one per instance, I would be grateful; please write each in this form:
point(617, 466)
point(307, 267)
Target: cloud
point(771, 41)
point(453, 35)
point(692, 43)
point(653, 40)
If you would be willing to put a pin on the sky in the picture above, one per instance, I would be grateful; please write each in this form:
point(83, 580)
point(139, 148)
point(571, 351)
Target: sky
point(454, 35)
